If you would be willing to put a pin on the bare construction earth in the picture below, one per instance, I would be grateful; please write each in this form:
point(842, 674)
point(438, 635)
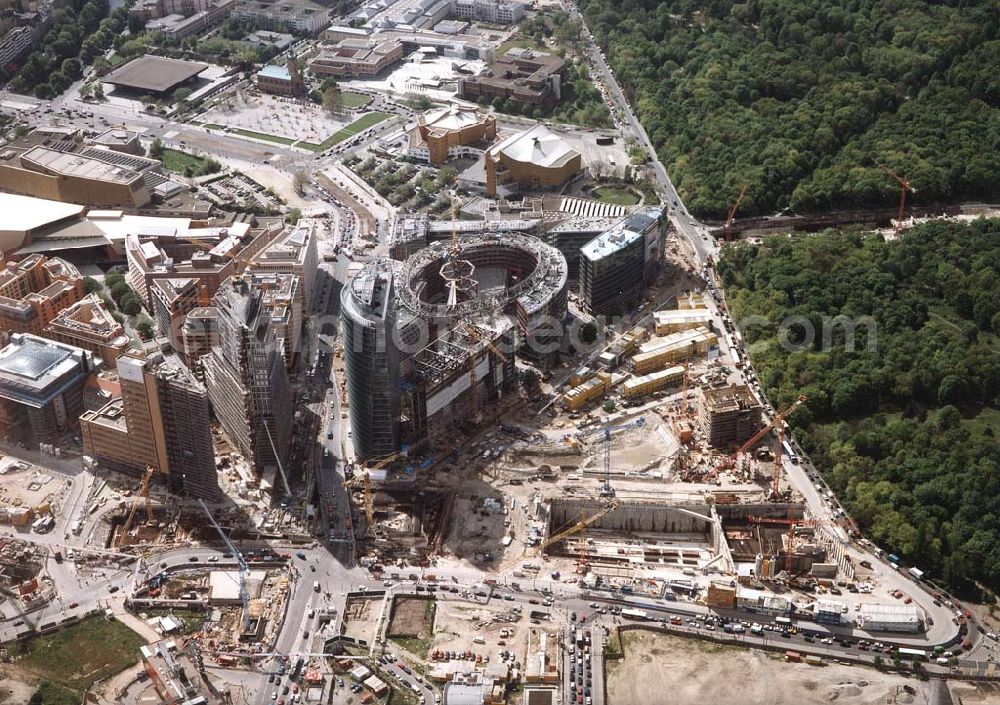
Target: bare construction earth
point(696, 672)
point(412, 616)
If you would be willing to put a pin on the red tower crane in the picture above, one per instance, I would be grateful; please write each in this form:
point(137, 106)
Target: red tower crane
point(732, 212)
point(778, 418)
point(904, 184)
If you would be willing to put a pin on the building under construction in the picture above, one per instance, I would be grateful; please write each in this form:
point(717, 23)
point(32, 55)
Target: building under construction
point(729, 416)
point(431, 341)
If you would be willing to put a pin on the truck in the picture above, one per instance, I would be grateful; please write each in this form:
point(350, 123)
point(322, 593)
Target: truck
point(77, 527)
point(916, 573)
point(58, 556)
point(315, 586)
point(893, 558)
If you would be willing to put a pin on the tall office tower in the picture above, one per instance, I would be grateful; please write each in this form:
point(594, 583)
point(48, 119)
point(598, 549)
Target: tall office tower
point(371, 358)
point(246, 377)
point(161, 420)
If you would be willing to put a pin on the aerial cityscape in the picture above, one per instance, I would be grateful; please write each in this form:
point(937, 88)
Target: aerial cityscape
point(499, 352)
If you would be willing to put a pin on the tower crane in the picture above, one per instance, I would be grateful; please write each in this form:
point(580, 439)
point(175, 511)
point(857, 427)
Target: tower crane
point(607, 430)
point(731, 216)
point(365, 480)
point(728, 461)
point(240, 562)
point(562, 535)
point(144, 493)
point(792, 524)
point(905, 186)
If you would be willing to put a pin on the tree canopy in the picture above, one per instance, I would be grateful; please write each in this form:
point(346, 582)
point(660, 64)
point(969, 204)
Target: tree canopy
point(799, 99)
point(906, 426)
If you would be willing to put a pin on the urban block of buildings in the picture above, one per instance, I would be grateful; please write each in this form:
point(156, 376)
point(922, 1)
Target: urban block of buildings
point(524, 76)
point(88, 325)
point(34, 290)
point(301, 17)
point(358, 58)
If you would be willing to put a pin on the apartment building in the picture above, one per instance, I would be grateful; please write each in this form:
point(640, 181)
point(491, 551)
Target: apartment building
point(34, 291)
point(88, 326)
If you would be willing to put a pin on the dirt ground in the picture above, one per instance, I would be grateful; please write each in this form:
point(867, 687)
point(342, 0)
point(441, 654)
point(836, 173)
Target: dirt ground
point(360, 615)
point(412, 616)
point(14, 692)
point(696, 672)
point(456, 628)
point(976, 693)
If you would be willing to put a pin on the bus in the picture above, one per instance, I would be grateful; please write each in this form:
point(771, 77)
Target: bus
point(784, 621)
point(912, 653)
point(639, 615)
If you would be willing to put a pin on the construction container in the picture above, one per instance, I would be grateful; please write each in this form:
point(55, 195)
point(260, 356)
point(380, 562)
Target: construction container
point(813, 660)
point(594, 388)
point(793, 657)
point(667, 322)
point(653, 382)
point(674, 348)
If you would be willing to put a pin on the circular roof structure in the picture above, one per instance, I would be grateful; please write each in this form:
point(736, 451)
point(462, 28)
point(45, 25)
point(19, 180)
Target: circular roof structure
point(509, 269)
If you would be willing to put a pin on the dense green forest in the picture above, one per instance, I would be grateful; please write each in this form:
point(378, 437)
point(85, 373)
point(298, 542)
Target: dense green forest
point(799, 98)
point(907, 429)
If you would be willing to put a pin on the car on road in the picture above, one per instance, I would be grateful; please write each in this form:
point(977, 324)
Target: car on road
point(74, 604)
point(193, 559)
point(300, 555)
point(213, 559)
point(113, 589)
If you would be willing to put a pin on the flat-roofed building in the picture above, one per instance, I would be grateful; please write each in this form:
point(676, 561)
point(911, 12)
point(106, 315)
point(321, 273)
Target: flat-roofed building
point(293, 251)
point(730, 415)
point(71, 176)
point(172, 300)
point(41, 388)
point(353, 58)
point(279, 80)
point(535, 159)
point(14, 45)
point(89, 326)
point(492, 11)
point(120, 140)
point(34, 291)
point(667, 322)
point(611, 268)
point(154, 75)
point(296, 16)
point(211, 255)
point(199, 334)
point(283, 298)
point(524, 76)
point(160, 421)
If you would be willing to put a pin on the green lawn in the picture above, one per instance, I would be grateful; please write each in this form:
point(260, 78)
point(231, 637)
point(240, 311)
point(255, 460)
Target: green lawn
point(519, 42)
point(616, 195)
point(260, 135)
point(176, 161)
point(359, 125)
point(350, 99)
point(82, 654)
point(49, 693)
point(415, 645)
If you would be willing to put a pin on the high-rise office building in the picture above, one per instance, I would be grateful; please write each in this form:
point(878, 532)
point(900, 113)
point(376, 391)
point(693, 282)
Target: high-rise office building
point(371, 357)
point(246, 376)
point(161, 420)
